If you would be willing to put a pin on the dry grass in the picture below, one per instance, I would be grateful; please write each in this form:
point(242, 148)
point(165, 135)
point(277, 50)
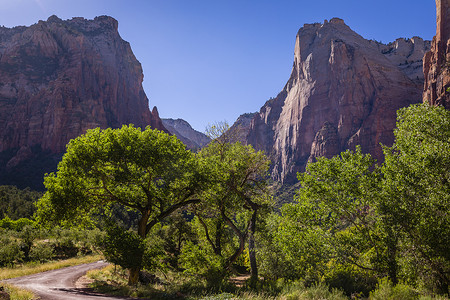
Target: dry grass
point(16, 293)
point(7, 273)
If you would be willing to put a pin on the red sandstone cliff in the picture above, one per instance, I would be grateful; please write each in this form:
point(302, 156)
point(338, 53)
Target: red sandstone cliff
point(343, 91)
point(60, 78)
point(436, 63)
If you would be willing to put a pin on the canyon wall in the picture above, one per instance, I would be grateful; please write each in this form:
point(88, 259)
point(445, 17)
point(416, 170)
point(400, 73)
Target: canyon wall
point(436, 63)
point(58, 79)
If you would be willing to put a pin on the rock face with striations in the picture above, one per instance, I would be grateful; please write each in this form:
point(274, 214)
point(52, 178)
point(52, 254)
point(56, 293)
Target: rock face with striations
point(59, 78)
point(343, 91)
point(436, 64)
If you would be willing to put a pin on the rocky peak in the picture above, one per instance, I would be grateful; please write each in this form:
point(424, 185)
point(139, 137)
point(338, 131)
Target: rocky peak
point(436, 63)
point(183, 130)
point(343, 91)
point(52, 19)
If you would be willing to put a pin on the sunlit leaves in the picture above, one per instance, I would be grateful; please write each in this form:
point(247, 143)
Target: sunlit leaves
point(144, 170)
point(417, 184)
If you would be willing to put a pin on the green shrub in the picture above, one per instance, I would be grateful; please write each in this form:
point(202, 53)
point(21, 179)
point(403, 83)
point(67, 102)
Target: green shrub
point(437, 297)
point(64, 248)
point(349, 278)
point(122, 247)
point(387, 291)
point(202, 262)
point(10, 252)
point(16, 225)
point(42, 252)
point(65, 243)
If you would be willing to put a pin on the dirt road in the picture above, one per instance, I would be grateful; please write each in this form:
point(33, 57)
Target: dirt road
point(60, 284)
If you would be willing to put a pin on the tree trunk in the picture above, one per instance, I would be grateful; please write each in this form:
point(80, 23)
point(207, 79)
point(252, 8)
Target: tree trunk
point(392, 243)
point(218, 248)
point(252, 250)
point(133, 277)
point(238, 251)
point(241, 237)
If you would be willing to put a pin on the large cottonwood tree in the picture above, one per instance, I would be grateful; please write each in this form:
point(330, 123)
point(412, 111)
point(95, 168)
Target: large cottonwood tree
point(146, 171)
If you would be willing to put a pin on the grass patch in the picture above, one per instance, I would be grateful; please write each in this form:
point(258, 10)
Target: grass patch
point(113, 281)
point(16, 293)
point(33, 268)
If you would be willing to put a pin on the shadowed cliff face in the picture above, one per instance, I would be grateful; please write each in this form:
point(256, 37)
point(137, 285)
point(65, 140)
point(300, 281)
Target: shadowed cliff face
point(60, 78)
point(436, 64)
point(343, 91)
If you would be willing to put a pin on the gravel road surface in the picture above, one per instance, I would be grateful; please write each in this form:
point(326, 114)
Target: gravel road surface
point(60, 284)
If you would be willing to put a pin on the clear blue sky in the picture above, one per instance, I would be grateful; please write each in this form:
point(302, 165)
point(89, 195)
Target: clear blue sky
point(212, 60)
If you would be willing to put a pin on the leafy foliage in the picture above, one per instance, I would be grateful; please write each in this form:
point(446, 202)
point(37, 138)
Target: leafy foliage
point(16, 225)
point(10, 252)
point(121, 247)
point(148, 172)
point(230, 206)
point(387, 291)
point(417, 187)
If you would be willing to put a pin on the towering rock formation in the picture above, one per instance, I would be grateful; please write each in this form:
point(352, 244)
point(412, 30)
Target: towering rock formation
point(60, 78)
point(343, 91)
point(436, 64)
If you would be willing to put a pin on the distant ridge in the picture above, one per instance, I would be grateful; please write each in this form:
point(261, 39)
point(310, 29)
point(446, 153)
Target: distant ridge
point(182, 130)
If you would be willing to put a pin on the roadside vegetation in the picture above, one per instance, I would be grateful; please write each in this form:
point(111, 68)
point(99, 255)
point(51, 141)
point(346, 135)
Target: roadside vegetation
point(182, 225)
point(16, 293)
point(33, 268)
point(24, 244)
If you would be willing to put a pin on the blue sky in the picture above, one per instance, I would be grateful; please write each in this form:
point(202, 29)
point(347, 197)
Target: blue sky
point(211, 60)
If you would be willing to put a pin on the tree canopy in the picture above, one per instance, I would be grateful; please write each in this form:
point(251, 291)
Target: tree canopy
point(147, 171)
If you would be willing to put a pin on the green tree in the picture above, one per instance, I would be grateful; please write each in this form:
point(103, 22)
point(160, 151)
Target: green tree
point(417, 187)
point(147, 171)
point(340, 196)
point(235, 198)
point(335, 222)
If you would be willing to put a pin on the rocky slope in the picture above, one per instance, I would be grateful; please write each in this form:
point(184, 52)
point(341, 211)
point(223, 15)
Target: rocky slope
point(343, 91)
point(60, 78)
point(182, 130)
point(436, 64)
